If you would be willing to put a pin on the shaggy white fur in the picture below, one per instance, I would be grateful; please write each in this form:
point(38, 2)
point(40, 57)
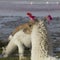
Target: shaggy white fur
point(19, 39)
point(41, 44)
point(8, 49)
point(10, 37)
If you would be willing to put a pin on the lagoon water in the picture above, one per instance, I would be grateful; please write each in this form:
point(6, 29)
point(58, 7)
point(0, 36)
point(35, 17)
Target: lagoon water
point(8, 24)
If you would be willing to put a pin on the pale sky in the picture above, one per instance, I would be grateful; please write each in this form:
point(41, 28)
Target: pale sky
point(33, 0)
point(14, 7)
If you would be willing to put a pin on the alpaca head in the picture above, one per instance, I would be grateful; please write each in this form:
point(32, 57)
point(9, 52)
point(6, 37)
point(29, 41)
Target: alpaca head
point(4, 54)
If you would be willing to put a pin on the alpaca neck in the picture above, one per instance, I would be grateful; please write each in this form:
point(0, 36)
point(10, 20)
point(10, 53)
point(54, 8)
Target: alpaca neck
point(40, 42)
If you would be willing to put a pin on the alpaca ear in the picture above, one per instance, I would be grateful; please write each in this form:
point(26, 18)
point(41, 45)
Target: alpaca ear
point(32, 18)
point(48, 18)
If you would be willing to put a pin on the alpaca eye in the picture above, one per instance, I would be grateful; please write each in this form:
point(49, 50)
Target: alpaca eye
point(30, 25)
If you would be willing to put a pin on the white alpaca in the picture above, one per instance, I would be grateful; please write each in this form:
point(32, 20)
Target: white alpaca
point(41, 43)
point(19, 38)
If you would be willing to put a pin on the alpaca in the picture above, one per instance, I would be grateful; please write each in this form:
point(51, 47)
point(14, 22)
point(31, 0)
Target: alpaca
point(26, 29)
point(41, 43)
point(20, 37)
